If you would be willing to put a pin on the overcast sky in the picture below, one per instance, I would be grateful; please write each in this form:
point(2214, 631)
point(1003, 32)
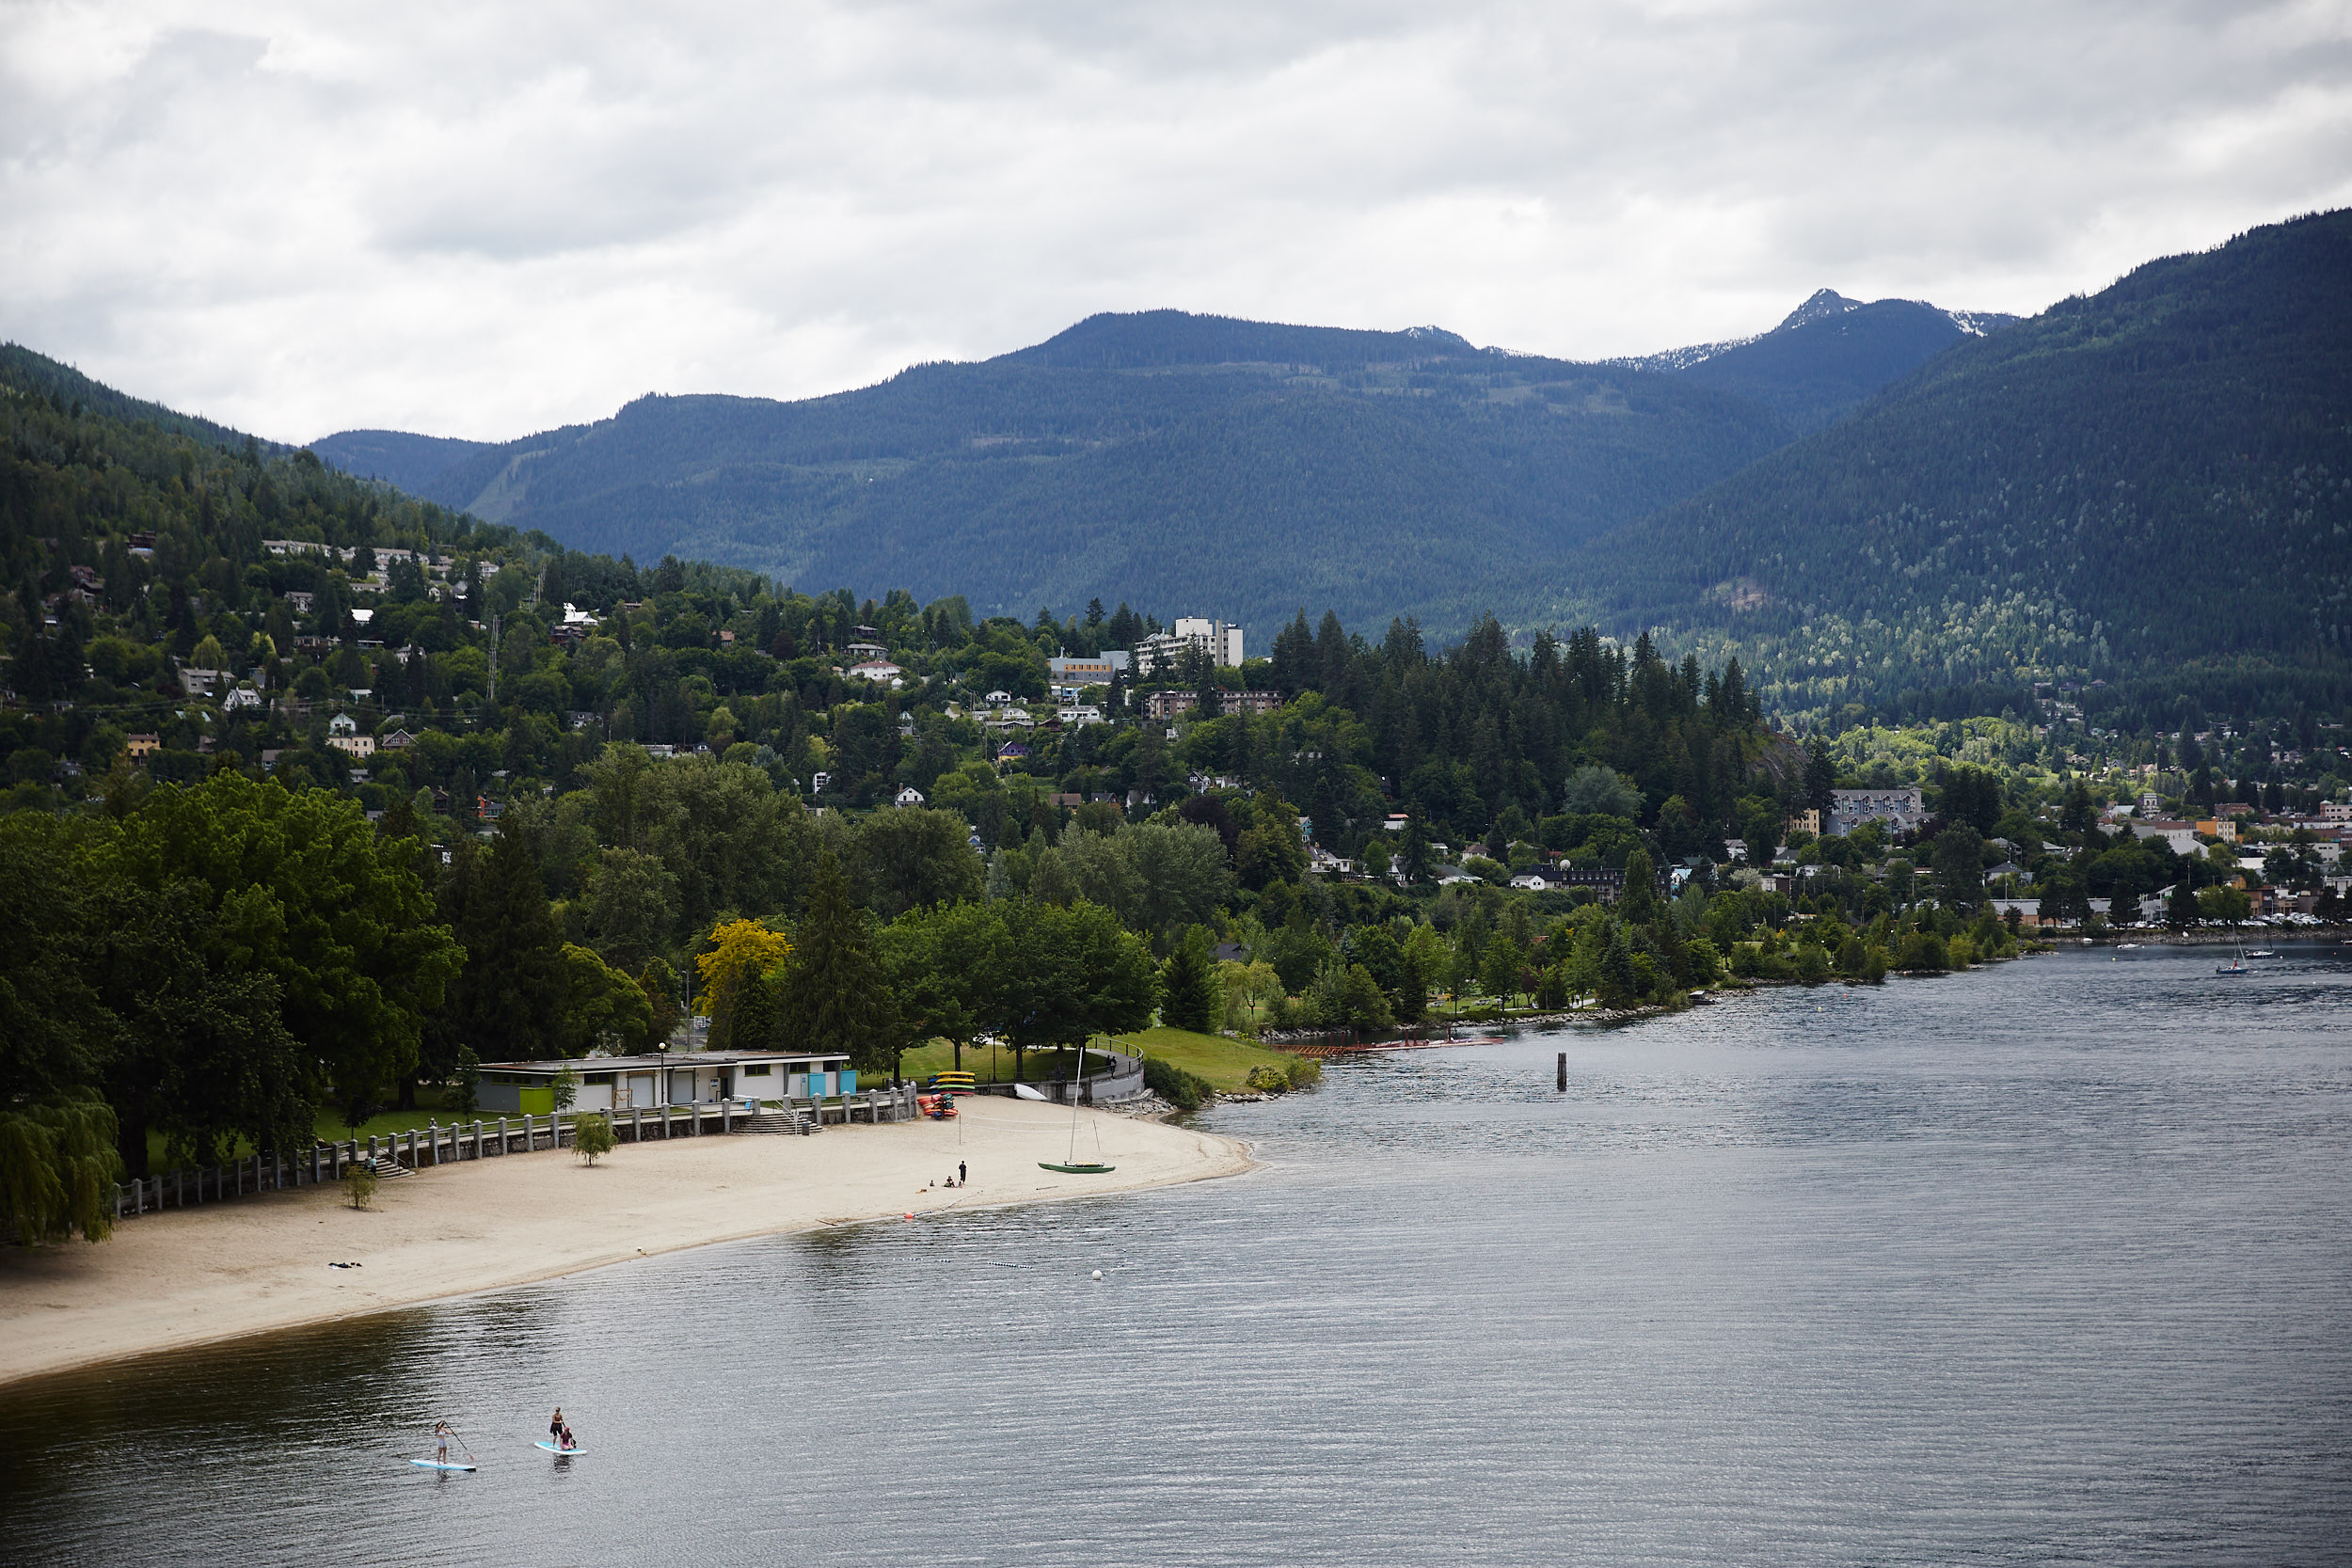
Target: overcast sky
point(484, 219)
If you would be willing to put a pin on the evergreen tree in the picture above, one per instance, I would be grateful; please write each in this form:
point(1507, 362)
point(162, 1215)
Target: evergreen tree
point(837, 998)
point(507, 999)
point(1820, 779)
point(1191, 996)
point(1619, 986)
point(1639, 904)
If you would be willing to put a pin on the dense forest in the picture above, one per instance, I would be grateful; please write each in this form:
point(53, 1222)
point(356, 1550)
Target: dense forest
point(2151, 486)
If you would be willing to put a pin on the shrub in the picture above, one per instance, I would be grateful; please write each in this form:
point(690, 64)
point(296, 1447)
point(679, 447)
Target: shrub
point(464, 1083)
point(1268, 1079)
point(359, 1185)
point(1184, 1090)
point(1303, 1071)
point(1923, 952)
point(592, 1136)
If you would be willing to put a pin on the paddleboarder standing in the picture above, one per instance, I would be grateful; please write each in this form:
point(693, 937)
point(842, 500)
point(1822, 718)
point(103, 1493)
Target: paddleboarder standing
point(440, 1437)
point(555, 1426)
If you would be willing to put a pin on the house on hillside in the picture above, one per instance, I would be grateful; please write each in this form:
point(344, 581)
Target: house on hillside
point(1902, 809)
point(2180, 836)
point(1079, 670)
point(909, 795)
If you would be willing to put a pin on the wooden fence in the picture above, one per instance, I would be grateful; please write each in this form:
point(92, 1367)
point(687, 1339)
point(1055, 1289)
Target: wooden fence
point(399, 1153)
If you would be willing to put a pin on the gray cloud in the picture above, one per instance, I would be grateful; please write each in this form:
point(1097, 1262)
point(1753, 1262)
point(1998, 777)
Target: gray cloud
point(479, 219)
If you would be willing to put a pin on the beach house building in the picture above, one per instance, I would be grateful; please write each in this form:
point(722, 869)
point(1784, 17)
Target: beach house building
point(664, 1078)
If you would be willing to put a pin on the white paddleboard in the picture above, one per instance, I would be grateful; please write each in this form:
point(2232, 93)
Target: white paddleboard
point(438, 1464)
point(552, 1449)
point(1023, 1091)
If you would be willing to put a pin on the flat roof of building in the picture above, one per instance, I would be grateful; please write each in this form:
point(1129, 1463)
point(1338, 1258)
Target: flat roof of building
point(660, 1059)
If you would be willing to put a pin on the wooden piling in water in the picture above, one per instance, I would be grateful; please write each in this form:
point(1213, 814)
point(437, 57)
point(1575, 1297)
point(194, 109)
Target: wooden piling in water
point(1564, 1070)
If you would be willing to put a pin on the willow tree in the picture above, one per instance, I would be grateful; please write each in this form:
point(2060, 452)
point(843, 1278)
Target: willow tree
point(59, 1168)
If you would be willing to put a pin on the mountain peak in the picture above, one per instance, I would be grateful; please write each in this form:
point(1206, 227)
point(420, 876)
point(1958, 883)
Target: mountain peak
point(1819, 304)
point(1141, 338)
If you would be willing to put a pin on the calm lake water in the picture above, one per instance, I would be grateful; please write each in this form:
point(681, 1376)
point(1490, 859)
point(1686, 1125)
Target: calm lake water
point(2048, 1264)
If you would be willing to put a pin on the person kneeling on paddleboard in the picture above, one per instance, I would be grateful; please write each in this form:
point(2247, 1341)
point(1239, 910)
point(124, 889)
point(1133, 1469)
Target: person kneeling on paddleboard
point(564, 1440)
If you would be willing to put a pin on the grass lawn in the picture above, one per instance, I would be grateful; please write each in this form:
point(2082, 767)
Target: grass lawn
point(1223, 1062)
point(996, 1067)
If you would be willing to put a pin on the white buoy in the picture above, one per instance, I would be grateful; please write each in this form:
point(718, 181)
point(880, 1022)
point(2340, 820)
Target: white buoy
point(1098, 1274)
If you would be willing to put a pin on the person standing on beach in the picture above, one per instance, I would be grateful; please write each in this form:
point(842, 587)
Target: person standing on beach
point(962, 1175)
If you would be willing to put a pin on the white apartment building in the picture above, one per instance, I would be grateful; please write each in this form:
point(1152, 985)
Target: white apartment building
point(1220, 639)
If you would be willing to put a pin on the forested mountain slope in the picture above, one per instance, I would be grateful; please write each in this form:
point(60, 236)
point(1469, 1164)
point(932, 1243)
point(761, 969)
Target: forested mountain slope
point(1232, 467)
point(27, 372)
point(1816, 369)
point(2151, 485)
point(1827, 355)
point(394, 456)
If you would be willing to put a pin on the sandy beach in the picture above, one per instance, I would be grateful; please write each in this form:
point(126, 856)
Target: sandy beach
point(185, 1277)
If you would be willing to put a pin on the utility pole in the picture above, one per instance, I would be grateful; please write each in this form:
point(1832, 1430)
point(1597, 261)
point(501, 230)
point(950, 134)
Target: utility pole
point(494, 660)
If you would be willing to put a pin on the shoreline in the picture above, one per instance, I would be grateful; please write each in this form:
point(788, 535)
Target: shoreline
point(198, 1276)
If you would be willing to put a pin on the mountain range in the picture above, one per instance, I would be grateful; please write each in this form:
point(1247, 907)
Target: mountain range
point(2150, 485)
point(1876, 506)
point(1241, 467)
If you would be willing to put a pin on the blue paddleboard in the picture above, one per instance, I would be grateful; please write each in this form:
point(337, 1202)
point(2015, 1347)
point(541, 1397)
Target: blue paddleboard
point(552, 1449)
point(437, 1465)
